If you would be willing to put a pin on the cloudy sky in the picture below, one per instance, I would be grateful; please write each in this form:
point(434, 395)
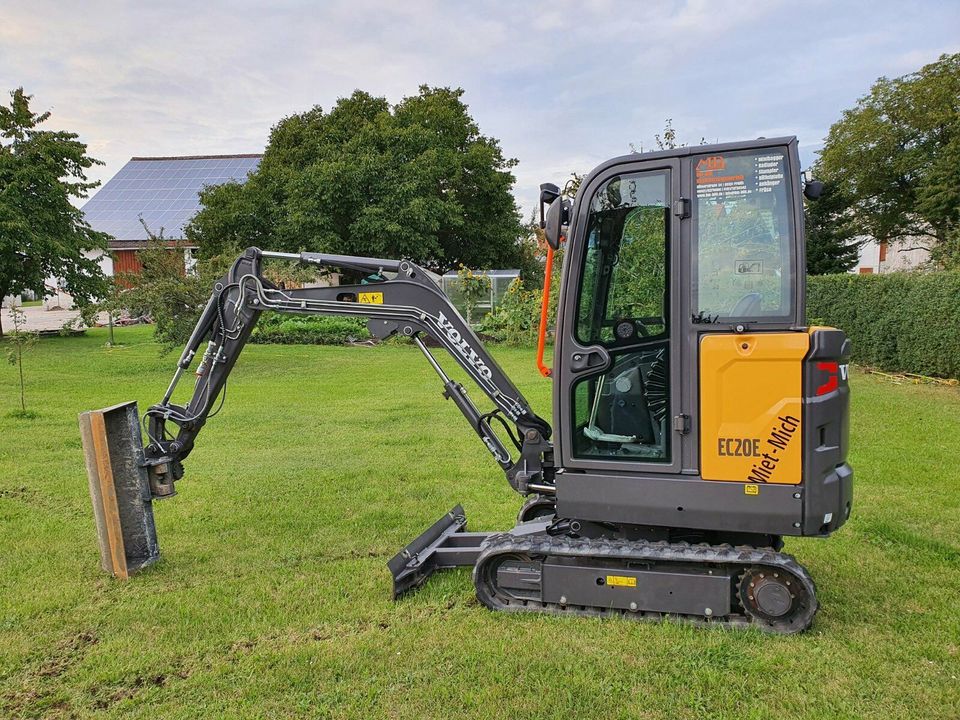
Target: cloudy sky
point(563, 84)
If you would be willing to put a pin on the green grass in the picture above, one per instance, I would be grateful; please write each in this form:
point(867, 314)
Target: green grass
point(273, 600)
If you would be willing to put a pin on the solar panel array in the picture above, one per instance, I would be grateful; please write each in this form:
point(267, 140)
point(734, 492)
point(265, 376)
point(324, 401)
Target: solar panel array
point(162, 191)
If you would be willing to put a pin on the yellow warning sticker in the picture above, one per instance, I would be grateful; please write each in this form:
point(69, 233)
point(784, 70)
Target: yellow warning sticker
point(370, 298)
point(751, 489)
point(621, 581)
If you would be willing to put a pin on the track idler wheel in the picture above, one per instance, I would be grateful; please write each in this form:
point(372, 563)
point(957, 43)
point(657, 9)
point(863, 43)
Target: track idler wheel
point(776, 598)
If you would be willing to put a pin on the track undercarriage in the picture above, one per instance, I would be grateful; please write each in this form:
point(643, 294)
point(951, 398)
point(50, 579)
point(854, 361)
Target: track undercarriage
point(550, 566)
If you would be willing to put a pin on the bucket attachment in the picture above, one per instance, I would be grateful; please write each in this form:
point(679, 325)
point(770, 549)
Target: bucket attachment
point(445, 544)
point(119, 489)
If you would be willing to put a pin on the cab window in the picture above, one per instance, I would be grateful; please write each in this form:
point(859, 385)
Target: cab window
point(624, 283)
point(745, 247)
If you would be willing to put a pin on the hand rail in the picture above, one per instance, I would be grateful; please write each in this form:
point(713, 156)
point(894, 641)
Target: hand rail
point(544, 311)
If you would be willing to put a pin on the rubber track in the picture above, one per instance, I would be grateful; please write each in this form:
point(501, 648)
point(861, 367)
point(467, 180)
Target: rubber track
point(741, 558)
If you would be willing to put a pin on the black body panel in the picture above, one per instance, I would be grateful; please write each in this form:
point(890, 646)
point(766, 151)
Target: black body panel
point(657, 501)
point(827, 478)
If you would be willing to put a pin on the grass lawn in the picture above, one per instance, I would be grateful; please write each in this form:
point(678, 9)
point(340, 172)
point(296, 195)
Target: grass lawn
point(273, 600)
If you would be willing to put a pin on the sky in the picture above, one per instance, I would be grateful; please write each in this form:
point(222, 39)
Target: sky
point(563, 85)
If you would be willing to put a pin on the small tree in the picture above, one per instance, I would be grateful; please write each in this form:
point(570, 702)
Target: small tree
point(474, 287)
point(164, 292)
point(17, 342)
point(667, 141)
point(172, 297)
point(832, 244)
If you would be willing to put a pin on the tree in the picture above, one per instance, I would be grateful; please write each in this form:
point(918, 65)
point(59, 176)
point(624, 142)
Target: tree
point(896, 156)
point(163, 291)
point(42, 234)
point(572, 186)
point(667, 141)
point(19, 341)
point(414, 180)
point(832, 245)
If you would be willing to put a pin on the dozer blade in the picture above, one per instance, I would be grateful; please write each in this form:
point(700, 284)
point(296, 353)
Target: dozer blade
point(445, 544)
point(119, 489)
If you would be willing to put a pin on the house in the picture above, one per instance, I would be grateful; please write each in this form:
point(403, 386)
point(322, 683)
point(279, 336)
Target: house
point(161, 193)
point(883, 257)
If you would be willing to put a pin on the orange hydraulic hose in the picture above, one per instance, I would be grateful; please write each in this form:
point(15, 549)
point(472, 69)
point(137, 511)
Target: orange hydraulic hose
point(544, 311)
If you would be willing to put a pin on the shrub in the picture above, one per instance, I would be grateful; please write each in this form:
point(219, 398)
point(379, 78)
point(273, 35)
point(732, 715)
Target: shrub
point(473, 288)
point(280, 329)
point(163, 291)
point(904, 322)
point(516, 318)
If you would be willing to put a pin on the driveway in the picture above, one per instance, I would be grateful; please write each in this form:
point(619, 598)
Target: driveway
point(39, 320)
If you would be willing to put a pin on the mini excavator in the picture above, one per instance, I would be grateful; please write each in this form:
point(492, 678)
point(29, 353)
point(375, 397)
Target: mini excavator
point(697, 419)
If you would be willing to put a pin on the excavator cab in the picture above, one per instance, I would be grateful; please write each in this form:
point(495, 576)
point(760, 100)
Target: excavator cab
point(697, 419)
point(688, 386)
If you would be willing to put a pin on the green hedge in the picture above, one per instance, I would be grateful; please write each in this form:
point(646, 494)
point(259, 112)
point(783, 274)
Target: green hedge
point(307, 330)
point(903, 322)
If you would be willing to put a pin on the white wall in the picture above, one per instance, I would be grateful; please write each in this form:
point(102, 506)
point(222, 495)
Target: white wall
point(60, 298)
point(901, 255)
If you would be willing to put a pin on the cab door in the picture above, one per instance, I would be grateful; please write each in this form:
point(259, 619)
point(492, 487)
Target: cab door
point(618, 389)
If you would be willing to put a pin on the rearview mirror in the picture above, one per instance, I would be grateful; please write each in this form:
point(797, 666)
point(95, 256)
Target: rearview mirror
point(548, 193)
point(558, 217)
point(812, 189)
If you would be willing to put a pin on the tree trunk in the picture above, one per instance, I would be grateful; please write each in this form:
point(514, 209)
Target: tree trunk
point(23, 402)
point(3, 294)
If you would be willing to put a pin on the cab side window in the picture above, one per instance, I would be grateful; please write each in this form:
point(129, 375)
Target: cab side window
point(624, 305)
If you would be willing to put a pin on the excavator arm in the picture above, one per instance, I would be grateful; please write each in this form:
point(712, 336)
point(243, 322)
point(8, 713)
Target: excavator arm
point(398, 298)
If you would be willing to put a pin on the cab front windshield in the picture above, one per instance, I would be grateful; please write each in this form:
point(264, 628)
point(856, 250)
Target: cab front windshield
point(745, 265)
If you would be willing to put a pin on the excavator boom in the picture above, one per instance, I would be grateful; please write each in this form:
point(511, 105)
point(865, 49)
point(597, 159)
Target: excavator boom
point(397, 298)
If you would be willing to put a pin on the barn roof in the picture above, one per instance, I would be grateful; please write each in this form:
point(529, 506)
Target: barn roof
point(163, 191)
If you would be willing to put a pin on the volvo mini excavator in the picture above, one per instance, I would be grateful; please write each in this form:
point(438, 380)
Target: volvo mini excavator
point(697, 419)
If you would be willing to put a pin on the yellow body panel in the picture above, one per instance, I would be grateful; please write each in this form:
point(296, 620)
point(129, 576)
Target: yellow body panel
point(750, 407)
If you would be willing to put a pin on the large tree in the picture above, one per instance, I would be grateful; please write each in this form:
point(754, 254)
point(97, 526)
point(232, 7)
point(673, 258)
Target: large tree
point(42, 234)
point(896, 156)
point(416, 179)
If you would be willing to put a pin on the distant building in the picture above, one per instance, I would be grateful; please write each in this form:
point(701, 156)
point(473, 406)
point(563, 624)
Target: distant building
point(883, 257)
point(161, 193)
point(500, 281)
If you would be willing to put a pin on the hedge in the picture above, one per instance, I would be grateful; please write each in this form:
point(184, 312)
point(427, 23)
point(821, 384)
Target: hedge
point(307, 330)
point(902, 322)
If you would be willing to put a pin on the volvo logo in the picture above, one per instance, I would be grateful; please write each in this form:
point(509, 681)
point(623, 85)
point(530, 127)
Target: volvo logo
point(463, 347)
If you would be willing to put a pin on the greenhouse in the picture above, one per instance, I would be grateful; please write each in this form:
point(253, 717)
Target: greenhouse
point(499, 284)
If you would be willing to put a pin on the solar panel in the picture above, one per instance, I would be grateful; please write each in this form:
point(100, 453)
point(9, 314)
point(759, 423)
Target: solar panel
point(164, 192)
